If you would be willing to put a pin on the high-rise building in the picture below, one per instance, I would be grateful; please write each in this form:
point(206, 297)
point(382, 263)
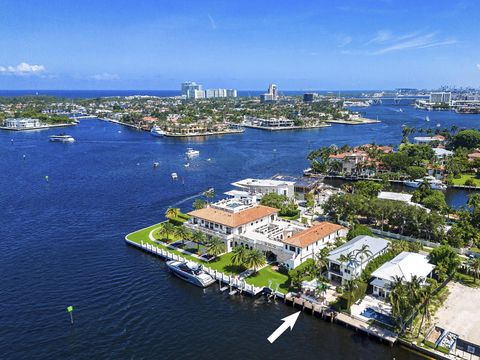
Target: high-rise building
point(308, 97)
point(271, 95)
point(441, 97)
point(192, 90)
point(189, 87)
point(231, 93)
point(272, 90)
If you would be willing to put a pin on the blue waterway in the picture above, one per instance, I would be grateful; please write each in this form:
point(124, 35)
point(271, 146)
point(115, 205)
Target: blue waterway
point(62, 244)
point(79, 94)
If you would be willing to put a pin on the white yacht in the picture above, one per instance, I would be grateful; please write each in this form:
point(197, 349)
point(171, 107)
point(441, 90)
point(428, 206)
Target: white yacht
point(174, 176)
point(62, 138)
point(434, 183)
point(191, 272)
point(157, 131)
point(191, 153)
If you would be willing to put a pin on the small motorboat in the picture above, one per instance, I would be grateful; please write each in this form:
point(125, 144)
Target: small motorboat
point(62, 138)
point(174, 176)
point(186, 164)
point(192, 153)
point(191, 272)
point(156, 164)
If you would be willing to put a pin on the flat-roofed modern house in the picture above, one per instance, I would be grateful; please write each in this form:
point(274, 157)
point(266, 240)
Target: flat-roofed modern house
point(245, 223)
point(302, 186)
point(260, 187)
point(348, 261)
point(404, 266)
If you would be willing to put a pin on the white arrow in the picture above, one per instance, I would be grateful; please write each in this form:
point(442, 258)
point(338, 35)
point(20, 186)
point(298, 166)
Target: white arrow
point(288, 322)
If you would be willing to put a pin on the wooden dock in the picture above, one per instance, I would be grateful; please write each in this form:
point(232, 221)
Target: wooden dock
point(232, 281)
point(328, 314)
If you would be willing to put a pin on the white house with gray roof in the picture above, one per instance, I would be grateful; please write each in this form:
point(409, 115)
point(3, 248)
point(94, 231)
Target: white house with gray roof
point(404, 266)
point(348, 261)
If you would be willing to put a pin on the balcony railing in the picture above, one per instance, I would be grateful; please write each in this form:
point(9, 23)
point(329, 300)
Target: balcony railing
point(208, 231)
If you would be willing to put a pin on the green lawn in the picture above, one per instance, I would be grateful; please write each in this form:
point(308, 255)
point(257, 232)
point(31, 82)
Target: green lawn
point(263, 277)
point(222, 263)
point(465, 177)
point(142, 235)
point(467, 280)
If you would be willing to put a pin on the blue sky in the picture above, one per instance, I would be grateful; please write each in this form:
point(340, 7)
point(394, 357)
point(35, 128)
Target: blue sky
point(239, 44)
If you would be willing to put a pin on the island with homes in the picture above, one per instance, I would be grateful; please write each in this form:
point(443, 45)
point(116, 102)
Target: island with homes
point(196, 112)
point(393, 265)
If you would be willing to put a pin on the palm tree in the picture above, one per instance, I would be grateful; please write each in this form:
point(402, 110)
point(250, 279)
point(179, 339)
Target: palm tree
point(172, 213)
point(209, 194)
point(255, 258)
point(166, 230)
point(183, 233)
point(215, 246)
point(239, 255)
point(321, 261)
point(364, 252)
point(474, 266)
point(350, 286)
point(397, 298)
point(199, 238)
point(350, 260)
point(199, 204)
point(426, 296)
point(322, 288)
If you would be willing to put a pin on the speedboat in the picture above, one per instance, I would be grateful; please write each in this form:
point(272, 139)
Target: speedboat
point(186, 164)
point(174, 176)
point(191, 153)
point(191, 272)
point(62, 138)
point(156, 164)
point(435, 184)
point(156, 131)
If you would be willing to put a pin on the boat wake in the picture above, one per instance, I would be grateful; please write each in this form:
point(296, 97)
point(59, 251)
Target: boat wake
point(184, 200)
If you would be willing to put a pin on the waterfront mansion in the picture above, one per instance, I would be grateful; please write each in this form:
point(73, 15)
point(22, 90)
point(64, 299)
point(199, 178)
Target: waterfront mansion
point(243, 222)
point(348, 261)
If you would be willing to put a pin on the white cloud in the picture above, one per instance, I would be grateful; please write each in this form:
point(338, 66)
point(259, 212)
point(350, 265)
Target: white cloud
point(22, 69)
point(344, 41)
point(380, 37)
point(385, 42)
point(212, 22)
point(414, 42)
point(105, 77)
point(478, 66)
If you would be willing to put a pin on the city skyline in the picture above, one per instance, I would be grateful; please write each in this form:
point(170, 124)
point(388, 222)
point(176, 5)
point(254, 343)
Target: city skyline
point(307, 46)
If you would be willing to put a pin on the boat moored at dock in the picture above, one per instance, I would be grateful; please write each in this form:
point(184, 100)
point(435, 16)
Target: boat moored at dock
point(157, 131)
point(191, 272)
point(435, 184)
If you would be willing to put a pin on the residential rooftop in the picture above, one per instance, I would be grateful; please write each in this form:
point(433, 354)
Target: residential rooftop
point(311, 235)
point(375, 245)
point(405, 265)
point(233, 219)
